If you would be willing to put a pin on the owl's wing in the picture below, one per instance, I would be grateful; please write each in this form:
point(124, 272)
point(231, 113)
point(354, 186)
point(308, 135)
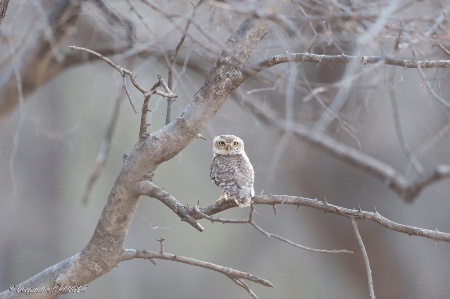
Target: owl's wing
point(244, 177)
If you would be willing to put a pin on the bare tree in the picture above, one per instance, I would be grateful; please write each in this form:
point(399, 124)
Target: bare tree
point(359, 81)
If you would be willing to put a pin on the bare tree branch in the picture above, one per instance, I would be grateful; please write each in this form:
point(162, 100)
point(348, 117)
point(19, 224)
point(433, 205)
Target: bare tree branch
point(102, 252)
point(173, 59)
point(325, 207)
point(422, 74)
point(365, 257)
point(397, 182)
point(320, 58)
point(46, 56)
point(129, 254)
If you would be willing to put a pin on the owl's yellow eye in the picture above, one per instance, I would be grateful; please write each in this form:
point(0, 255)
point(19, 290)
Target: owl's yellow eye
point(235, 143)
point(221, 143)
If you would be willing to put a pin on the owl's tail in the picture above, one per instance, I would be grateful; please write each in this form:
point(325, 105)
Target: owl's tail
point(243, 202)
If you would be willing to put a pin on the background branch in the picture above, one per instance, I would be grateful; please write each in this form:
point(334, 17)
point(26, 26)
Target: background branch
point(401, 185)
point(365, 257)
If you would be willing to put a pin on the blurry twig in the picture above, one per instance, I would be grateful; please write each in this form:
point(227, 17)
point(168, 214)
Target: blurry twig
point(173, 59)
point(398, 128)
point(420, 67)
point(397, 182)
point(259, 13)
point(365, 257)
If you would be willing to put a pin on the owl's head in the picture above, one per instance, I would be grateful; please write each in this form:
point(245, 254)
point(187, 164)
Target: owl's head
point(228, 145)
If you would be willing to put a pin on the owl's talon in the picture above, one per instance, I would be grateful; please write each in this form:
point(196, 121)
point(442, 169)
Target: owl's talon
point(223, 198)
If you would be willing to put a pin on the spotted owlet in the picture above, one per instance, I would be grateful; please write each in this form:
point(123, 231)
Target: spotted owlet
point(231, 170)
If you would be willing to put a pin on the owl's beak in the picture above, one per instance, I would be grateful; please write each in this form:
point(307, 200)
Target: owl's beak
point(228, 148)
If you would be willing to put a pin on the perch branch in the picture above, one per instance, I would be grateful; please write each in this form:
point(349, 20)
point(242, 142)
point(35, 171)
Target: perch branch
point(326, 207)
point(365, 257)
point(129, 254)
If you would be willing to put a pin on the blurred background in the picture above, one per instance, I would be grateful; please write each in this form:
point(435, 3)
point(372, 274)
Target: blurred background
point(57, 105)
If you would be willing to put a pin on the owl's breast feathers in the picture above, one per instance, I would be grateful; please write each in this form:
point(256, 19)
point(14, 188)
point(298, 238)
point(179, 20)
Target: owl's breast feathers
point(235, 176)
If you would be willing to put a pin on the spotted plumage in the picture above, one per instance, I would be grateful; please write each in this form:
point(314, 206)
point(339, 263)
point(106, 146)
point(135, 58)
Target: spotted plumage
point(231, 170)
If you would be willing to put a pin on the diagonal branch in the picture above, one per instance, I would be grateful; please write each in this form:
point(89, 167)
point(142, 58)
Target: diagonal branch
point(129, 254)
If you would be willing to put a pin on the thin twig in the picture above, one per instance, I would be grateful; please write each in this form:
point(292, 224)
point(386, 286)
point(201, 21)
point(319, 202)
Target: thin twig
point(129, 254)
point(243, 285)
point(398, 128)
point(270, 235)
point(365, 257)
point(420, 66)
point(118, 68)
point(173, 59)
point(250, 221)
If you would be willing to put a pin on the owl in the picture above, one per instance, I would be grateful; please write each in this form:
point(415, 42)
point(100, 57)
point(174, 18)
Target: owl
point(231, 170)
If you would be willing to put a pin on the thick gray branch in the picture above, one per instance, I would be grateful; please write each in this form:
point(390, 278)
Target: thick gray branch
point(105, 248)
